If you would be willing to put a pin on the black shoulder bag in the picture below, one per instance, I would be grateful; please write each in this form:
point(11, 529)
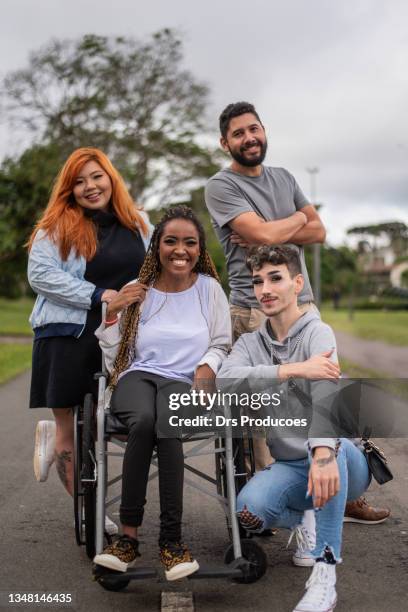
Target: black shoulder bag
point(376, 459)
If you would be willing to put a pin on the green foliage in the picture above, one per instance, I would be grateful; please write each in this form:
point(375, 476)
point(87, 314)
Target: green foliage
point(14, 316)
point(338, 270)
point(380, 303)
point(131, 98)
point(404, 279)
point(214, 247)
point(371, 325)
point(391, 228)
point(14, 358)
point(25, 186)
point(396, 231)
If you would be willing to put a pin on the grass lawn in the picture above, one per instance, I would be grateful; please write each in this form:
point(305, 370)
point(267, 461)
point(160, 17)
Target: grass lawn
point(390, 327)
point(353, 370)
point(14, 358)
point(14, 317)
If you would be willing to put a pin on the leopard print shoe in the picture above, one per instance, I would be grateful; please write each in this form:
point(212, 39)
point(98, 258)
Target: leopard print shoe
point(177, 560)
point(120, 555)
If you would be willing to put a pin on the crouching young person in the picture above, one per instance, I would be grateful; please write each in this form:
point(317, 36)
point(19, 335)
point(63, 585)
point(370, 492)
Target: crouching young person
point(310, 480)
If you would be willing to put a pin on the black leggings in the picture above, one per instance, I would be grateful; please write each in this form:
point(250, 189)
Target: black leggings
point(140, 401)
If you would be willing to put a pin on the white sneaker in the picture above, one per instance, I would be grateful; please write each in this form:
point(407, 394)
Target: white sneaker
point(44, 449)
point(320, 593)
point(305, 539)
point(111, 528)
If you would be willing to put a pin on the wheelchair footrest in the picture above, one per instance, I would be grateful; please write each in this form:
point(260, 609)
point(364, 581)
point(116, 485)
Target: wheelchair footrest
point(133, 573)
point(216, 571)
point(137, 573)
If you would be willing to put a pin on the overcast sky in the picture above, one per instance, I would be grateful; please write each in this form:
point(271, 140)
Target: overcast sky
point(329, 80)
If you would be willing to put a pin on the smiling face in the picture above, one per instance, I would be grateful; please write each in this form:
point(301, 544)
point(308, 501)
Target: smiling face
point(93, 187)
point(179, 248)
point(275, 289)
point(245, 140)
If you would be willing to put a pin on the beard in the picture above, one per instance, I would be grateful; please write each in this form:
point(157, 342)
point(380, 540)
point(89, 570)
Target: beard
point(239, 156)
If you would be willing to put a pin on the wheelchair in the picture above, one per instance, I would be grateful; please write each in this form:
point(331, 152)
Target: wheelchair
point(244, 560)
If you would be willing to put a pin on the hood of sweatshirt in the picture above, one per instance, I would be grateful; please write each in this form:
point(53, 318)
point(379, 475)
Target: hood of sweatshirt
point(286, 349)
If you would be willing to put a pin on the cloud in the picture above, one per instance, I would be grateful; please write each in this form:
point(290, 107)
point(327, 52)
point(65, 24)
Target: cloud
point(329, 80)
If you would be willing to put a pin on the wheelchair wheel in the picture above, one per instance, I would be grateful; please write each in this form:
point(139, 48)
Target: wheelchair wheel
point(88, 475)
point(78, 497)
point(113, 584)
point(109, 579)
point(255, 555)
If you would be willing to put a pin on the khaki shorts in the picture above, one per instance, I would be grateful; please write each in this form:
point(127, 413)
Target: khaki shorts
point(244, 320)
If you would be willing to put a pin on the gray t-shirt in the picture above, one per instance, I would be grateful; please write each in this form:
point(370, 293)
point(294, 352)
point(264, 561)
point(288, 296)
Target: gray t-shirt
point(273, 195)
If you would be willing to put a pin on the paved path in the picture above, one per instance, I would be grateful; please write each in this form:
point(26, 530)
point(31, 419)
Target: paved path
point(374, 355)
point(39, 553)
point(16, 339)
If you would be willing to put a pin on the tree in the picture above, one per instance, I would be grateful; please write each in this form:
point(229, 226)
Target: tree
point(25, 186)
point(396, 231)
point(339, 270)
point(130, 98)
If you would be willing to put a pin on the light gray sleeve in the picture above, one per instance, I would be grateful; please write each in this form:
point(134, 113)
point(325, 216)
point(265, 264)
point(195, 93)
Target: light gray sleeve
point(109, 341)
point(239, 368)
point(323, 391)
point(299, 198)
point(47, 278)
point(322, 339)
point(220, 328)
point(225, 201)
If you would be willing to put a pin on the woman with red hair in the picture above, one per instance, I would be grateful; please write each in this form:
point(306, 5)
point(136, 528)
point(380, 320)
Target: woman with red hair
point(90, 242)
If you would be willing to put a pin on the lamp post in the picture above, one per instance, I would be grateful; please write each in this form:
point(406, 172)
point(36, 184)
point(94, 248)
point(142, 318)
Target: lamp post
point(316, 247)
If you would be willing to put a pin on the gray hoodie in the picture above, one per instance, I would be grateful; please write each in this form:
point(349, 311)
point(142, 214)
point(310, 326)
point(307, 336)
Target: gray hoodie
point(249, 362)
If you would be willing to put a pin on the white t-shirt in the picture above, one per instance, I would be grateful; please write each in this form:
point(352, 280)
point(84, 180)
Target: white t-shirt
point(173, 333)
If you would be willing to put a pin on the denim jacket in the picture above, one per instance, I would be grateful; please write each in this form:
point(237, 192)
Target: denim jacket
point(63, 295)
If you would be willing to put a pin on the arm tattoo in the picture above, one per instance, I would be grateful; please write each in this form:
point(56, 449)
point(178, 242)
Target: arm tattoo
point(326, 460)
point(61, 460)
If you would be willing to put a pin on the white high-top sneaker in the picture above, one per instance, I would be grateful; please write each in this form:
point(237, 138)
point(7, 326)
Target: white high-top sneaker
point(111, 528)
point(305, 539)
point(320, 593)
point(44, 449)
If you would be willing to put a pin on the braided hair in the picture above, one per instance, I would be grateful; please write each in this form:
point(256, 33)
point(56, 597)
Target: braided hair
point(149, 273)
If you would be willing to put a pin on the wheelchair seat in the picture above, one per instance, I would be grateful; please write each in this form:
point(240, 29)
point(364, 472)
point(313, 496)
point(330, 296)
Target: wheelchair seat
point(113, 426)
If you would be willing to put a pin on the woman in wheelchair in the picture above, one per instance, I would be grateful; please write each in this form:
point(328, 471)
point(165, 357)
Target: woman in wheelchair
point(176, 338)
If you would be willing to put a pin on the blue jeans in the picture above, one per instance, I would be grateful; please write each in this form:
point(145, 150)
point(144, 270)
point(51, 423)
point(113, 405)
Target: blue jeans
point(277, 496)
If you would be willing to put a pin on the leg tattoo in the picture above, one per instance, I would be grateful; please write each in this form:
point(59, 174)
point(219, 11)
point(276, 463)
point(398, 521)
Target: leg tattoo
point(62, 459)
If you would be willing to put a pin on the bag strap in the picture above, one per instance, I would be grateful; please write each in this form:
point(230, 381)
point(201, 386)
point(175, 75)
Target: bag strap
point(303, 397)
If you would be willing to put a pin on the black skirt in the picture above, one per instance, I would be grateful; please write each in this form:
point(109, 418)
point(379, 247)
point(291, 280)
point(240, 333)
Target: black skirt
point(63, 369)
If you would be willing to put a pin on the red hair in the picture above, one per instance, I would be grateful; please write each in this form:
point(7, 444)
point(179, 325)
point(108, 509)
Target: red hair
point(64, 220)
